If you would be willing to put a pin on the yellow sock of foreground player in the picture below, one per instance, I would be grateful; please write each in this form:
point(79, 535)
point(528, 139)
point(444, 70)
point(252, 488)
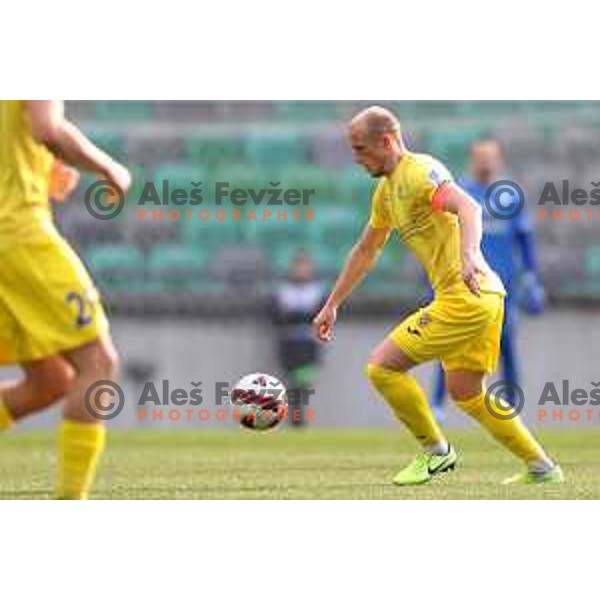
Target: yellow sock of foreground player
point(6, 420)
point(80, 446)
point(510, 432)
point(409, 403)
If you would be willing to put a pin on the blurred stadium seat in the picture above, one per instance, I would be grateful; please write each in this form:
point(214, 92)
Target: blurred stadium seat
point(307, 177)
point(306, 111)
point(110, 141)
point(276, 148)
point(117, 266)
point(175, 267)
point(123, 110)
point(179, 175)
point(214, 149)
point(451, 146)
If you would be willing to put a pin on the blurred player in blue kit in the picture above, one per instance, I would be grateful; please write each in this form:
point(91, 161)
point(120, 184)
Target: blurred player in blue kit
point(501, 241)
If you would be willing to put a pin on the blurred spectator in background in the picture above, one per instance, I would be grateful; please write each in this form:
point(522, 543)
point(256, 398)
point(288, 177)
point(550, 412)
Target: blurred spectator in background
point(296, 301)
point(501, 238)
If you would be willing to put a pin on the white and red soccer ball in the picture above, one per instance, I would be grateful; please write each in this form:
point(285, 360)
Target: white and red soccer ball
point(259, 400)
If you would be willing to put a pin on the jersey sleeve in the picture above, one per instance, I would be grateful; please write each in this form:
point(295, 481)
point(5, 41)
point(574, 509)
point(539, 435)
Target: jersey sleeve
point(380, 217)
point(427, 178)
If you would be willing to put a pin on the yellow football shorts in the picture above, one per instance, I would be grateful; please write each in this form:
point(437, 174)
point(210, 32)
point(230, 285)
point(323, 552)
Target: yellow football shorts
point(462, 330)
point(48, 302)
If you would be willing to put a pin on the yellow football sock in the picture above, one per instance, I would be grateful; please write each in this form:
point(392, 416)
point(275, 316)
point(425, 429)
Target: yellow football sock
point(80, 445)
point(511, 433)
point(6, 420)
point(409, 403)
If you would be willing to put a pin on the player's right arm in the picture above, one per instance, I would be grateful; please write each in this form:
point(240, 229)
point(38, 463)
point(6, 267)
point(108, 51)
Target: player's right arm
point(68, 143)
point(361, 259)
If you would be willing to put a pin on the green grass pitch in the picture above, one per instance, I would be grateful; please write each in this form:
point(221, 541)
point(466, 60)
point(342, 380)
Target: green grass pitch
point(312, 464)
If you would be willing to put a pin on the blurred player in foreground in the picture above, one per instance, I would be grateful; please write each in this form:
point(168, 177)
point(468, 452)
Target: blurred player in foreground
point(51, 319)
point(499, 240)
point(441, 224)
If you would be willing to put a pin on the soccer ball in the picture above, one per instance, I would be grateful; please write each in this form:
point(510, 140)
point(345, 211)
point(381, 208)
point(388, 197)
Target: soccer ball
point(259, 401)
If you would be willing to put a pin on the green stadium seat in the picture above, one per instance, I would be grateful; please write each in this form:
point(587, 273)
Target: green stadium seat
point(272, 233)
point(591, 111)
point(123, 110)
point(175, 267)
point(354, 187)
point(308, 177)
point(181, 172)
point(254, 178)
point(592, 260)
point(588, 286)
point(139, 177)
point(181, 175)
point(210, 150)
point(329, 258)
point(489, 109)
point(388, 278)
point(323, 181)
point(109, 141)
point(276, 149)
point(302, 110)
point(241, 177)
point(428, 109)
point(338, 226)
point(168, 256)
point(117, 266)
point(387, 285)
point(244, 177)
point(211, 233)
point(405, 109)
point(452, 146)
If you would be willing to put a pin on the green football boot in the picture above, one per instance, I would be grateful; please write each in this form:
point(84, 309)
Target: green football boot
point(425, 466)
point(554, 475)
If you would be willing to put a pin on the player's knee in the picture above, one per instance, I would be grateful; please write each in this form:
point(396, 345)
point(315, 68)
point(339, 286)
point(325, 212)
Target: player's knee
point(51, 380)
point(95, 361)
point(103, 362)
point(463, 390)
point(376, 374)
point(371, 372)
point(62, 380)
point(108, 360)
point(387, 355)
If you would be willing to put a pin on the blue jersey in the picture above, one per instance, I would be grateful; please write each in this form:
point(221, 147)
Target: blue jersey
point(500, 237)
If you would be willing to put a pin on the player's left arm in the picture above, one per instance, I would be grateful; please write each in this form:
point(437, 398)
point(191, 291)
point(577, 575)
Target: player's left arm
point(50, 127)
point(451, 198)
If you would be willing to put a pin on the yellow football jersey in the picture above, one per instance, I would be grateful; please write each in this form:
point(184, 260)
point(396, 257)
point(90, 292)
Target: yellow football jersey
point(403, 201)
point(25, 166)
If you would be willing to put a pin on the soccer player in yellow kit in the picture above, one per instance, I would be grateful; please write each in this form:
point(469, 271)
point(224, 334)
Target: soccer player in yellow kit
point(51, 319)
point(441, 224)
